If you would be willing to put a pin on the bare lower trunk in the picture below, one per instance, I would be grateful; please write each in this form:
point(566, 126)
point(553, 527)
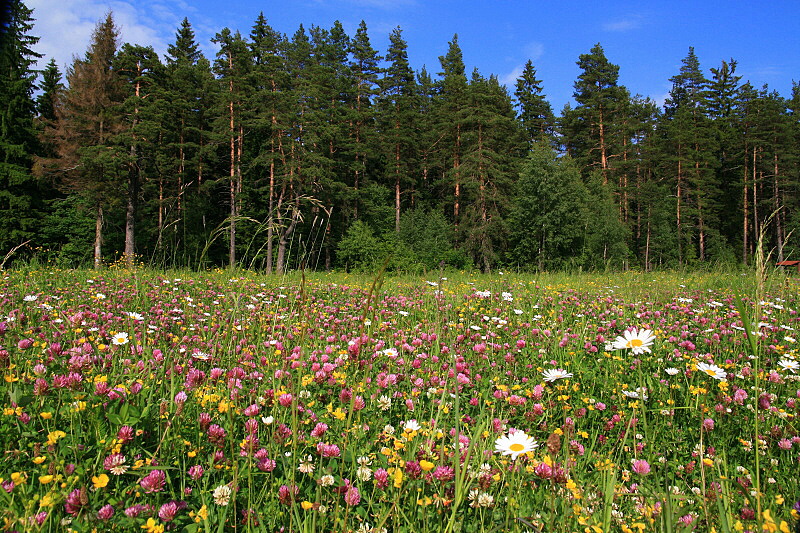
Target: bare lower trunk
point(270, 217)
point(284, 241)
point(130, 211)
point(98, 238)
point(130, 219)
point(777, 205)
point(647, 267)
point(746, 219)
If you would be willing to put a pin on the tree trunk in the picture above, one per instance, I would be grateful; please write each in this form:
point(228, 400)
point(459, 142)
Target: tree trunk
point(271, 205)
point(98, 238)
point(130, 213)
point(232, 191)
point(647, 266)
point(745, 209)
point(777, 205)
point(284, 241)
point(603, 155)
point(456, 170)
point(133, 191)
point(678, 216)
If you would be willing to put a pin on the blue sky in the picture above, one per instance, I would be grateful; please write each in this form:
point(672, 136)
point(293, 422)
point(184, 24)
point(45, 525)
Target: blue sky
point(647, 39)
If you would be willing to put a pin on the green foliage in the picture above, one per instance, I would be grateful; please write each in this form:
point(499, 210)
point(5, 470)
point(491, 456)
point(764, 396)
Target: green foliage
point(20, 196)
point(281, 145)
point(605, 237)
point(548, 217)
point(430, 237)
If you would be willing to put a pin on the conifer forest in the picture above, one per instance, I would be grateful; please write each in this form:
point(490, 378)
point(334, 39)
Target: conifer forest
point(313, 149)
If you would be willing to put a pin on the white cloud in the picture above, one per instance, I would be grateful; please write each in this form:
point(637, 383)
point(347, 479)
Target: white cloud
point(626, 24)
point(660, 99)
point(534, 50)
point(510, 79)
point(65, 26)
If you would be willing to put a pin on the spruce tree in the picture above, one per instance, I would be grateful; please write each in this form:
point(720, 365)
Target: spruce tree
point(535, 112)
point(88, 162)
point(686, 157)
point(722, 96)
point(183, 204)
point(50, 88)
point(398, 108)
point(232, 66)
point(490, 150)
point(450, 114)
point(20, 196)
point(142, 73)
point(365, 68)
point(268, 120)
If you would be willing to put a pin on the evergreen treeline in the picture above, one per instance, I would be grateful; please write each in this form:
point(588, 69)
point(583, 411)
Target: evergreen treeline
point(318, 150)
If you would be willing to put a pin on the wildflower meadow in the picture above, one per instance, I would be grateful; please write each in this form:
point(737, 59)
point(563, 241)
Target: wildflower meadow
point(143, 401)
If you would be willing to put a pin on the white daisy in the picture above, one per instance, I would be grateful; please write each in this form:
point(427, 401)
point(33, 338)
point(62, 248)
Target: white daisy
point(515, 444)
point(120, 338)
point(30, 298)
point(639, 341)
point(640, 393)
point(789, 365)
point(411, 425)
point(672, 371)
point(713, 370)
point(135, 316)
point(554, 374)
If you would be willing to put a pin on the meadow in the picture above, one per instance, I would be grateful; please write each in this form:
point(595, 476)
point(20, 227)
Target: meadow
point(146, 401)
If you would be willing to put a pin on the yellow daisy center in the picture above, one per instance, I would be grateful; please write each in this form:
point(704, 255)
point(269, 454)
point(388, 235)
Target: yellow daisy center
point(710, 372)
point(635, 342)
point(516, 447)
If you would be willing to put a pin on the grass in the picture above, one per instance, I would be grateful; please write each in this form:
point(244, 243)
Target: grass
point(151, 401)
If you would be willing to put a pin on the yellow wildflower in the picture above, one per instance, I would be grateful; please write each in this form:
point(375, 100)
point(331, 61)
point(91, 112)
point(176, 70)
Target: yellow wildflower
point(427, 466)
point(100, 481)
point(153, 527)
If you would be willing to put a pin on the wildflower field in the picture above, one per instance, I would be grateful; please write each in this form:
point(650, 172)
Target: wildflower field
point(144, 401)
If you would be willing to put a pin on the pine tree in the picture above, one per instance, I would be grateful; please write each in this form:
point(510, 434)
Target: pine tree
point(535, 112)
point(594, 134)
point(20, 197)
